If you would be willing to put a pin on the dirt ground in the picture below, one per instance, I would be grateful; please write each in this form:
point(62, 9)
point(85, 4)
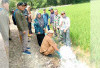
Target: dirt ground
point(36, 60)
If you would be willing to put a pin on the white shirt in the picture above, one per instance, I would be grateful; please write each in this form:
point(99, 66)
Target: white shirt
point(64, 23)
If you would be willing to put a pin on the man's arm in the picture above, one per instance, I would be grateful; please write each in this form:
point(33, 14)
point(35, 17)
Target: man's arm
point(50, 19)
point(36, 26)
point(19, 21)
point(54, 19)
point(68, 23)
point(53, 44)
point(55, 47)
point(60, 22)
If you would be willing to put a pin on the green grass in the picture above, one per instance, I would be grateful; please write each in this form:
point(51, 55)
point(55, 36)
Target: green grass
point(79, 15)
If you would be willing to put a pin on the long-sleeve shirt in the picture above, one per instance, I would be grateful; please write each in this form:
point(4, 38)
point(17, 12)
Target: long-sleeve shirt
point(52, 18)
point(21, 21)
point(4, 23)
point(45, 18)
point(38, 28)
point(47, 45)
point(64, 23)
point(25, 12)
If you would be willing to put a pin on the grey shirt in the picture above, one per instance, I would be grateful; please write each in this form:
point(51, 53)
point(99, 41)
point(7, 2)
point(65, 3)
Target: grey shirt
point(4, 23)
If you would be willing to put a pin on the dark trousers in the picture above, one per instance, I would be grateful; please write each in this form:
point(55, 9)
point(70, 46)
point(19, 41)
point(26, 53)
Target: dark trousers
point(48, 26)
point(40, 38)
point(30, 28)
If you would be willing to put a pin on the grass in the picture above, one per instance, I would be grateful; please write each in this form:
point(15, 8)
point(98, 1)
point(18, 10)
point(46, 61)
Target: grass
point(79, 15)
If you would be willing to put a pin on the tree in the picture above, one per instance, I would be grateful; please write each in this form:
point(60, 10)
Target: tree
point(44, 3)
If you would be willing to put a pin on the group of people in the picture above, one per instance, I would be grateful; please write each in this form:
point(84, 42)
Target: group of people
point(61, 30)
point(60, 23)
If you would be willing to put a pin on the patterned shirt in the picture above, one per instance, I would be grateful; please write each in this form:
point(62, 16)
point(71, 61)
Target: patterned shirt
point(56, 20)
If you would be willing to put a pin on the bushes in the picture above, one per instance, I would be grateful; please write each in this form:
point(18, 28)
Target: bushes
point(45, 3)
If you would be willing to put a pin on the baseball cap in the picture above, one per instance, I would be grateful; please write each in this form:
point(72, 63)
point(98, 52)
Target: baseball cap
point(25, 4)
point(20, 4)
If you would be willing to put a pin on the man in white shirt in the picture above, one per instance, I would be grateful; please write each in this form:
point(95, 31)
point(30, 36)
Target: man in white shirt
point(65, 28)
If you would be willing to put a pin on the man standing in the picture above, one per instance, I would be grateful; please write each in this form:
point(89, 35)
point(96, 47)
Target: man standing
point(22, 26)
point(56, 23)
point(26, 14)
point(45, 18)
point(65, 29)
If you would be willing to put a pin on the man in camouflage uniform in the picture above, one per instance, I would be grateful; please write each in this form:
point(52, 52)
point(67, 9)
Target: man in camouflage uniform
point(22, 26)
point(56, 23)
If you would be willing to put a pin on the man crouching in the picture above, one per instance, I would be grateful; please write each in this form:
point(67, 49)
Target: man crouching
point(48, 45)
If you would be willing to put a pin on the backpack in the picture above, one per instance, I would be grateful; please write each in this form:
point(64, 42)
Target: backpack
point(13, 17)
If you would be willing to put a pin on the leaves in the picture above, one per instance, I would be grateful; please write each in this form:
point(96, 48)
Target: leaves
point(44, 3)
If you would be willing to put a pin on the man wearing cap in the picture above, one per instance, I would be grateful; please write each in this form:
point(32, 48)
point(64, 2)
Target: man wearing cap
point(22, 26)
point(26, 14)
point(65, 29)
point(51, 15)
point(48, 45)
point(56, 23)
point(45, 18)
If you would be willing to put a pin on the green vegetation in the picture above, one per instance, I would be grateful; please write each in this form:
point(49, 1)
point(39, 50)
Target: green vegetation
point(78, 13)
point(80, 23)
point(45, 3)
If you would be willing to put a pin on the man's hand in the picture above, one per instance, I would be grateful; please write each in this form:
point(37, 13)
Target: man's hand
point(38, 32)
point(44, 29)
point(25, 16)
point(65, 30)
point(24, 32)
point(58, 53)
point(54, 28)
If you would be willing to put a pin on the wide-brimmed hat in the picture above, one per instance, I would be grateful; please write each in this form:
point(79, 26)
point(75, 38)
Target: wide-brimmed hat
point(50, 32)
